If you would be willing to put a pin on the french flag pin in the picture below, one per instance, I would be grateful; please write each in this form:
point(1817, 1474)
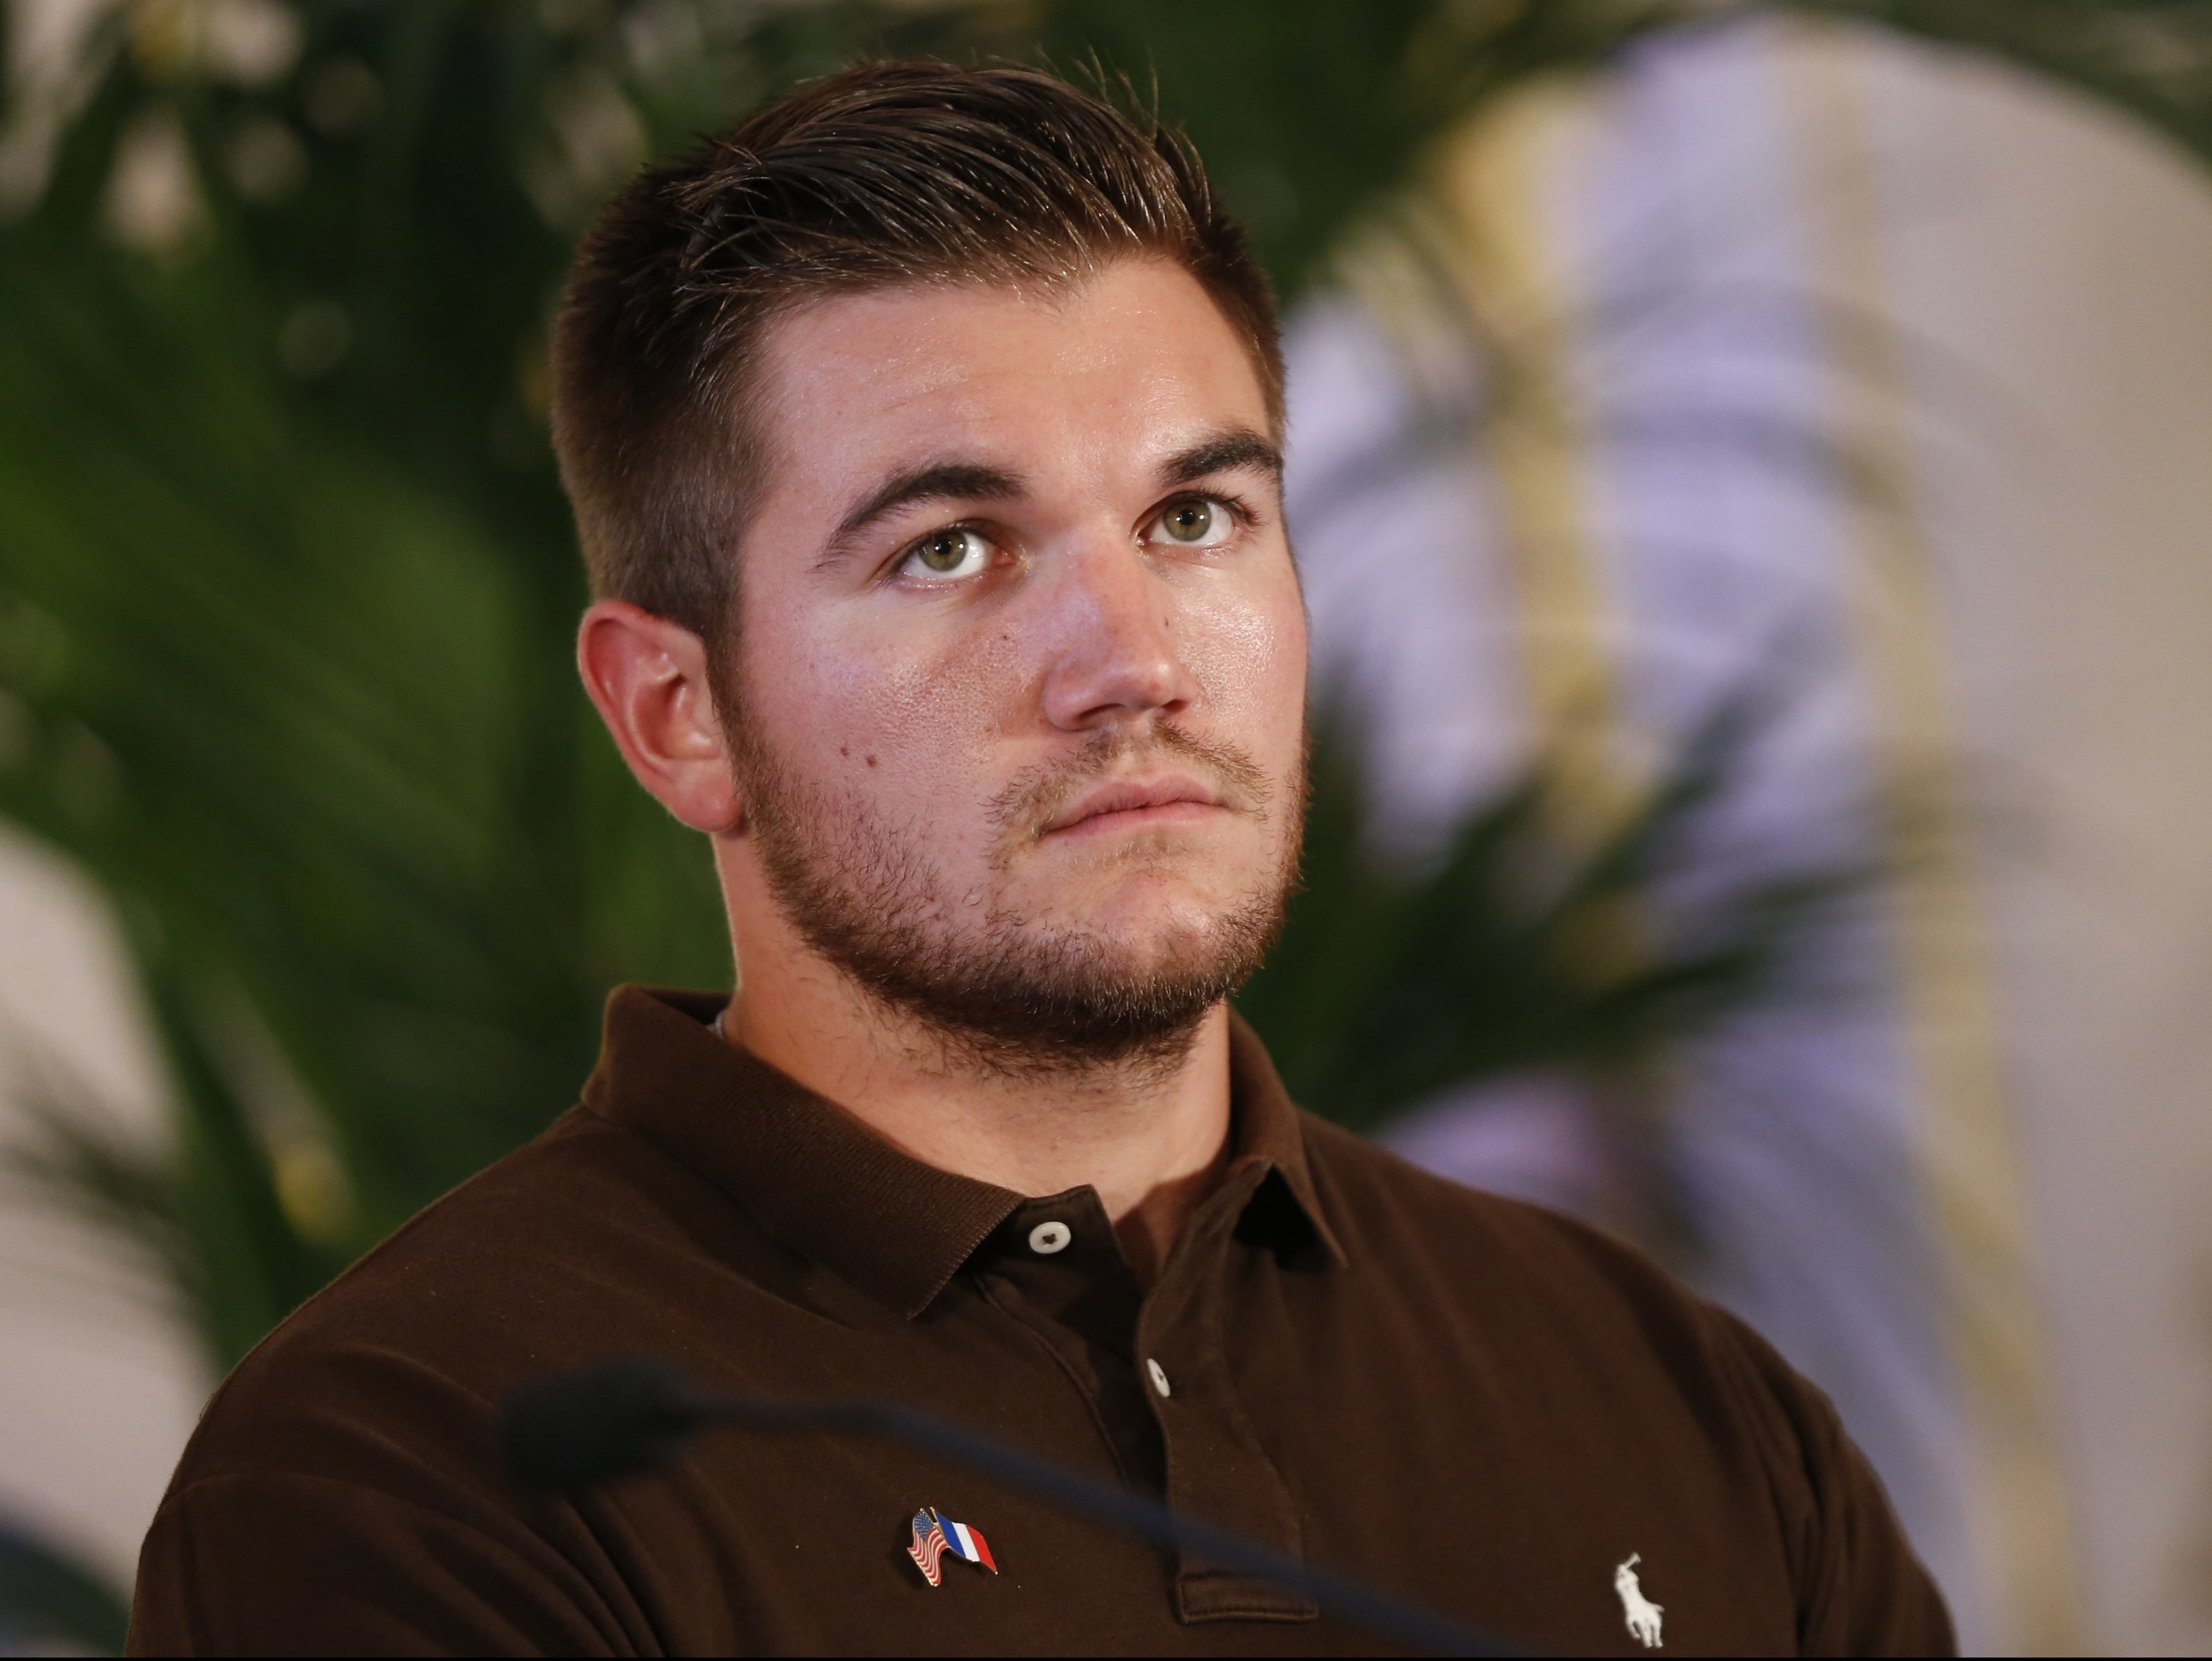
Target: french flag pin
point(965, 1542)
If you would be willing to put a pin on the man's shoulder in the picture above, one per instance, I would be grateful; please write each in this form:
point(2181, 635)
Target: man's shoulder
point(513, 1239)
point(566, 1250)
point(1596, 1337)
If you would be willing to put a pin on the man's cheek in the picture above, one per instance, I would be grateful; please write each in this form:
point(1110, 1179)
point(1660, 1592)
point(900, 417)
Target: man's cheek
point(930, 689)
point(1248, 657)
point(933, 788)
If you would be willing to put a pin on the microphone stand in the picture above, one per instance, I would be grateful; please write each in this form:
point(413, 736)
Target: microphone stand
point(640, 1414)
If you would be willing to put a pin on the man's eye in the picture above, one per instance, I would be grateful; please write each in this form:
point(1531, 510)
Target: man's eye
point(1196, 522)
point(947, 554)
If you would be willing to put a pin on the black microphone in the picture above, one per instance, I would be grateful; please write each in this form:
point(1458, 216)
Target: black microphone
point(563, 1432)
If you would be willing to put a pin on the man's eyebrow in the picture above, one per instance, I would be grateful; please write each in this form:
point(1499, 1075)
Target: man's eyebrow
point(1221, 453)
point(935, 481)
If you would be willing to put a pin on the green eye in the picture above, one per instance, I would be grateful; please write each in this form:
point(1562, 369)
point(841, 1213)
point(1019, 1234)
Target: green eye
point(949, 553)
point(1190, 522)
point(1195, 523)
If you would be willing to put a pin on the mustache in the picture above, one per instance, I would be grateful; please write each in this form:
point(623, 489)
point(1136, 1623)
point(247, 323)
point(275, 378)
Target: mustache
point(1033, 799)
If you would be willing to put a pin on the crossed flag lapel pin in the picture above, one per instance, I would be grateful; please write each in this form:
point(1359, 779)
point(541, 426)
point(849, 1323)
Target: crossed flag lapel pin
point(934, 1535)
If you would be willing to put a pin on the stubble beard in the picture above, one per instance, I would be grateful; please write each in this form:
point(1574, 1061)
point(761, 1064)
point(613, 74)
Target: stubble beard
point(1001, 989)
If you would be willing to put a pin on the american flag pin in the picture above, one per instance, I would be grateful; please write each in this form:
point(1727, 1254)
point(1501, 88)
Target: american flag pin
point(935, 1534)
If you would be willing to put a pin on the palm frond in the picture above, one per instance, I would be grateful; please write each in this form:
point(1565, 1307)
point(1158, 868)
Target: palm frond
point(1520, 953)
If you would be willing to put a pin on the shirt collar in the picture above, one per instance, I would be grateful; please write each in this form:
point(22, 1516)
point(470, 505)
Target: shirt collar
point(824, 1184)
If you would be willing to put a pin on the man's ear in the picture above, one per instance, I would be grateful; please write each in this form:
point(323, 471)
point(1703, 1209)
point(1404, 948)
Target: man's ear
point(648, 678)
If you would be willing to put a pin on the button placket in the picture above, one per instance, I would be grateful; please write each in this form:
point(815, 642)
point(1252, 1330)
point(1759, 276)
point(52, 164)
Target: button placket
point(1058, 1273)
point(1216, 1465)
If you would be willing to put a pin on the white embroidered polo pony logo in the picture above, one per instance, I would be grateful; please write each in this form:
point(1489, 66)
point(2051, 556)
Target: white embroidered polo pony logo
point(1642, 1613)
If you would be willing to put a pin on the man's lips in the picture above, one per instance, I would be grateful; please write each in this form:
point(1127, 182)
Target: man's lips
point(1167, 799)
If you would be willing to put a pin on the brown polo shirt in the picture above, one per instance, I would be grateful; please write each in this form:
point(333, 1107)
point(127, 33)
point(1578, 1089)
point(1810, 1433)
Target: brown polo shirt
point(1474, 1403)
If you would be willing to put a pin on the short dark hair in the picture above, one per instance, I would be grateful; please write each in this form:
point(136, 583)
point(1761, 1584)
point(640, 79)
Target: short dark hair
point(887, 174)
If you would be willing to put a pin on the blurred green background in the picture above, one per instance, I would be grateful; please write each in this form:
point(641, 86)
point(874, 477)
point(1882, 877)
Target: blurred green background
point(288, 586)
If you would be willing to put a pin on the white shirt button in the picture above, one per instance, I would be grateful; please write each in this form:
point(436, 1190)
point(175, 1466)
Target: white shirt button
point(1047, 1238)
point(1160, 1375)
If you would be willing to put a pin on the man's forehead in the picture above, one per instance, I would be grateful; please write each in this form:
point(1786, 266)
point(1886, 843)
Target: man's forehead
point(894, 379)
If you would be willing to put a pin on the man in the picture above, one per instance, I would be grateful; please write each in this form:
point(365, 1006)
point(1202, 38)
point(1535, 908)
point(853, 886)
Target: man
point(923, 435)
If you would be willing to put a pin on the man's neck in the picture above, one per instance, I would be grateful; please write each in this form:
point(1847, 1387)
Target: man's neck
point(1149, 1136)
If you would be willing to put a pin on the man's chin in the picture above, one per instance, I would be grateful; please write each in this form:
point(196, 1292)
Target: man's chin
point(1108, 984)
point(1155, 910)
point(1099, 961)
point(1071, 1007)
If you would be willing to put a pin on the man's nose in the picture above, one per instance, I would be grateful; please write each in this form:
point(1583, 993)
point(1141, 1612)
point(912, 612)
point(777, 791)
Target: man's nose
point(1115, 657)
